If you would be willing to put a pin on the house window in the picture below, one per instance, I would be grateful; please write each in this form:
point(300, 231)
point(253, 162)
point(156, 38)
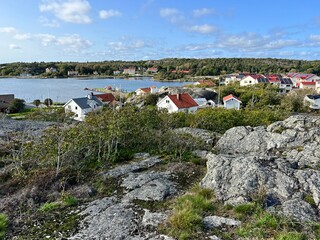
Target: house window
point(76, 107)
point(167, 101)
point(69, 107)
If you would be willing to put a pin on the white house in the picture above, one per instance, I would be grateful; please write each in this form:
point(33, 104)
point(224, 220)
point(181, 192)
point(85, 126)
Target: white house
point(82, 106)
point(231, 102)
point(152, 70)
point(144, 91)
point(233, 78)
point(297, 78)
point(253, 79)
point(307, 85)
point(181, 102)
point(286, 85)
point(51, 70)
point(313, 101)
point(318, 86)
point(130, 71)
point(73, 73)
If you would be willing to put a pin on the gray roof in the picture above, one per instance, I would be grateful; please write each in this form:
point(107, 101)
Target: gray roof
point(286, 81)
point(262, 80)
point(86, 102)
point(313, 96)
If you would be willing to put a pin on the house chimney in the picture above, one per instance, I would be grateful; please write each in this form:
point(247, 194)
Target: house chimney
point(90, 95)
point(178, 96)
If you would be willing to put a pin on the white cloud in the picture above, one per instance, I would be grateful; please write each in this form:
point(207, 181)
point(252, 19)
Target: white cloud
point(14, 46)
point(315, 38)
point(242, 41)
point(23, 36)
point(203, 29)
point(197, 47)
point(105, 14)
point(49, 23)
point(74, 42)
point(147, 4)
point(173, 15)
point(73, 11)
point(281, 43)
point(46, 39)
point(202, 12)
point(71, 43)
point(124, 46)
point(8, 30)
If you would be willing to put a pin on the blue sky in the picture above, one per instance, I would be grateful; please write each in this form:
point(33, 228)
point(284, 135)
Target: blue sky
point(97, 30)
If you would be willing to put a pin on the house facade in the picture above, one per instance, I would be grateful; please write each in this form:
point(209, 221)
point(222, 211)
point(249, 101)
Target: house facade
point(312, 101)
point(73, 73)
point(152, 70)
point(51, 70)
point(181, 102)
point(82, 106)
point(130, 71)
point(144, 91)
point(286, 85)
point(231, 102)
point(307, 85)
point(252, 80)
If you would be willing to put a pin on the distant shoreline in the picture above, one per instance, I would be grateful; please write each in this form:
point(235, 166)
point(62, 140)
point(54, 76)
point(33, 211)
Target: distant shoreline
point(103, 77)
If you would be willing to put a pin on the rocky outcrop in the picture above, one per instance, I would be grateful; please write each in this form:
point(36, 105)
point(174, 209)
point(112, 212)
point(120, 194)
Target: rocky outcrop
point(151, 186)
point(216, 221)
point(120, 217)
point(208, 137)
point(280, 162)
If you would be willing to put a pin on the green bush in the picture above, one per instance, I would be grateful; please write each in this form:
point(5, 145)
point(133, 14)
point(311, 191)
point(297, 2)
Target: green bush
point(291, 236)
point(3, 225)
point(17, 105)
point(48, 207)
point(186, 219)
point(70, 200)
point(245, 209)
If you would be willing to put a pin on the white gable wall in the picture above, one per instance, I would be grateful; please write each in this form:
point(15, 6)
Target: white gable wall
point(167, 104)
point(247, 81)
point(232, 104)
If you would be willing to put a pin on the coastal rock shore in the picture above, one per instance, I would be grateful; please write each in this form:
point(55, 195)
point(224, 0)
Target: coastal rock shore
point(281, 163)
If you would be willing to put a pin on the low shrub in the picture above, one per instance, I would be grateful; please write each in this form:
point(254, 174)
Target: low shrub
point(186, 219)
point(70, 200)
point(291, 236)
point(3, 225)
point(47, 207)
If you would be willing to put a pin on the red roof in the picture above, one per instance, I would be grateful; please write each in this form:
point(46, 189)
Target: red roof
point(146, 90)
point(255, 76)
point(230, 96)
point(272, 80)
point(206, 82)
point(106, 97)
point(152, 69)
point(308, 83)
point(183, 100)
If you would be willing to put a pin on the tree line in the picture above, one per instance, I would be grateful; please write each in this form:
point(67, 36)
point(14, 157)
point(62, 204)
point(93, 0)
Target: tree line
point(166, 67)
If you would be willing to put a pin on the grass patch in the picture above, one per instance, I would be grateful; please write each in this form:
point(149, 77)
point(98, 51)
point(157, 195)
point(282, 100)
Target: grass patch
point(3, 225)
point(291, 236)
point(309, 199)
point(48, 207)
point(189, 209)
point(69, 200)
point(245, 209)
